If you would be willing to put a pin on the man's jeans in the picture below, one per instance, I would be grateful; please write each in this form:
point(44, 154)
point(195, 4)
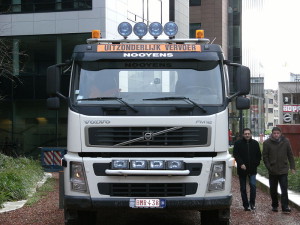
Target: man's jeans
point(243, 189)
point(283, 182)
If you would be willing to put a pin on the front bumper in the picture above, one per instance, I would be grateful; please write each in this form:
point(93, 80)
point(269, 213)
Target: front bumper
point(86, 203)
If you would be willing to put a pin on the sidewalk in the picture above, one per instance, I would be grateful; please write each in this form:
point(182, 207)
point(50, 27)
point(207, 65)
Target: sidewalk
point(294, 198)
point(263, 184)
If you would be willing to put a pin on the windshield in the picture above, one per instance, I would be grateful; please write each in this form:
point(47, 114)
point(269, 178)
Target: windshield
point(140, 86)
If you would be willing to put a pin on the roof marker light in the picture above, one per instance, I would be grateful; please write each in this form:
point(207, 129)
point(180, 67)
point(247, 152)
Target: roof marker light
point(199, 33)
point(171, 29)
point(96, 34)
point(125, 29)
point(140, 29)
point(155, 29)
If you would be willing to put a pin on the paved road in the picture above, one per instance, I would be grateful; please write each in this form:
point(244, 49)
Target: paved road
point(46, 212)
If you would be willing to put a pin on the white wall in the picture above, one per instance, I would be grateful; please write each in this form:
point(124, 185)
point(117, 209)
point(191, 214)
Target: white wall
point(182, 18)
point(105, 16)
point(53, 22)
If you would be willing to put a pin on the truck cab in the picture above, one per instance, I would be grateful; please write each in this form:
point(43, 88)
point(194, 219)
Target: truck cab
point(148, 127)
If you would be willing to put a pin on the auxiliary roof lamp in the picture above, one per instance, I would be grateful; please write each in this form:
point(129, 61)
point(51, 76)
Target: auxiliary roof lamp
point(155, 29)
point(171, 29)
point(140, 29)
point(125, 29)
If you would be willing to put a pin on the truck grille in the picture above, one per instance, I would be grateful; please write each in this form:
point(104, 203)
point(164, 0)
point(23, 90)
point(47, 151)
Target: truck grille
point(137, 136)
point(147, 190)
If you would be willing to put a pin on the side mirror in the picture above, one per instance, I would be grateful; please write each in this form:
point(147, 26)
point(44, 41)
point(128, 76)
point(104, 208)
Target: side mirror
point(53, 79)
point(242, 103)
point(53, 103)
point(239, 79)
point(243, 80)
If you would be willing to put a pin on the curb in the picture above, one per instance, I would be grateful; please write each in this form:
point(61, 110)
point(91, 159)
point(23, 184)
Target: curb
point(263, 184)
point(9, 206)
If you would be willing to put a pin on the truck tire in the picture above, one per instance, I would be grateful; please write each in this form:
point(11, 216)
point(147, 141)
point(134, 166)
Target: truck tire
point(61, 189)
point(73, 217)
point(215, 217)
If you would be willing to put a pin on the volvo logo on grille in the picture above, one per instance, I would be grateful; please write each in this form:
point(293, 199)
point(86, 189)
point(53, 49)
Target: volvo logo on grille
point(97, 121)
point(148, 136)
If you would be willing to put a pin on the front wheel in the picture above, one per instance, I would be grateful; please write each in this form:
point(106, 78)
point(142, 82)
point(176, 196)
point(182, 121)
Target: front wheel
point(215, 217)
point(74, 217)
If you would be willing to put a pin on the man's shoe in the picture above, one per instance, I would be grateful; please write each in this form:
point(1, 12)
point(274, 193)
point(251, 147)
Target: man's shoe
point(275, 209)
point(247, 209)
point(252, 207)
point(286, 210)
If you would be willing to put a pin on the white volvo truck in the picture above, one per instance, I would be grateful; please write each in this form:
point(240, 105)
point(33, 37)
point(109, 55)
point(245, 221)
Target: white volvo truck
point(148, 125)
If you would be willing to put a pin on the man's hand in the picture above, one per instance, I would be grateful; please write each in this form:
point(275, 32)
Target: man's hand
point(293, 171)
point(243, 167)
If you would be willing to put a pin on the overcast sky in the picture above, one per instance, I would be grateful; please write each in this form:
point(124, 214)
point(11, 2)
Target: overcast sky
point(277, 39)
point(272, 34)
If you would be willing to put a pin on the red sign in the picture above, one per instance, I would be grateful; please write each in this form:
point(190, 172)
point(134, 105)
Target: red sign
point(254, 108)
point(291, 108)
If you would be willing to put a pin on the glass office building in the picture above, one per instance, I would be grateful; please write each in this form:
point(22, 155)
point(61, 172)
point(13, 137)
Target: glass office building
point(43, 33)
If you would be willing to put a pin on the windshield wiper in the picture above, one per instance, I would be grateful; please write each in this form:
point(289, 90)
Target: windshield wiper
point(110, 98)
point(177, 98)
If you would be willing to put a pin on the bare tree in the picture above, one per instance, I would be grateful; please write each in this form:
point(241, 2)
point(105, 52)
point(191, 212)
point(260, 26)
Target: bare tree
point(8, 52)
point(8, 70)
point(6, 60)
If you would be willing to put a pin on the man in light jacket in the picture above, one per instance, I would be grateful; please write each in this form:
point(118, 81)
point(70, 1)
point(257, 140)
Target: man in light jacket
point(277, 153)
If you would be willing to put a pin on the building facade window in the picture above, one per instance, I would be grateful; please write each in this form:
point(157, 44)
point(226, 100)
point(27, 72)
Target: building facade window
point(296, 98)
point(271, 101)
point(296, 118)
point(195, 2)
point(35, 6)
point(270, 110)
point(286, 98)
point(193, 28)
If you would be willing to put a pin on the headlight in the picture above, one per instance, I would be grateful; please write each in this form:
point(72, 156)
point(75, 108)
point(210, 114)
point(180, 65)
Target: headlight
point(77, 177)
point(138, 164)
point(120, 164)
point(155, 29)
point(217, 177)
point(140, 29)
point(175, 165)
point(157, 164)
point(125, 29)
point(171, 29)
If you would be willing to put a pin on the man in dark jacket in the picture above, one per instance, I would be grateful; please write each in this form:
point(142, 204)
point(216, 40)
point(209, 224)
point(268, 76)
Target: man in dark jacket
point(247, 154)
point(276, 154)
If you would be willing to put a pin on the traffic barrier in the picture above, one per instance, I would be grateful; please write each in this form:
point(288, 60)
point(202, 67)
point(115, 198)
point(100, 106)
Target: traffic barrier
point(51, 158)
